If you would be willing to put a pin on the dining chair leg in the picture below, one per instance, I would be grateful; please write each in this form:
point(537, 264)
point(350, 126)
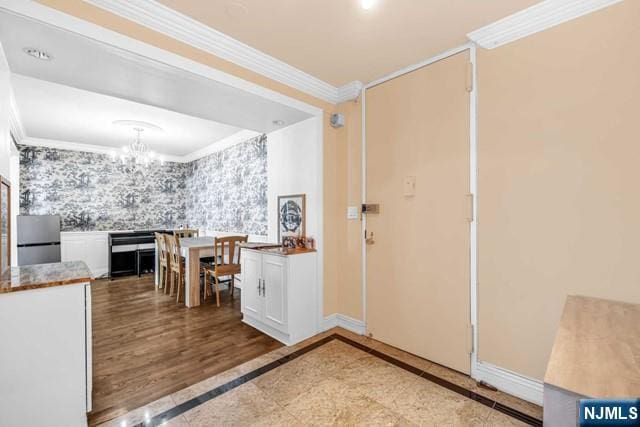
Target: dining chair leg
point(215, 282)
point(206, 285)
point(232, 286)
point(180, 286)
point(168, 279)
point(173, 283)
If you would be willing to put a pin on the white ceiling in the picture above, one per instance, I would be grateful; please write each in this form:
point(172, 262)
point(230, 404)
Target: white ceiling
point(117, 84)
point(58, 112)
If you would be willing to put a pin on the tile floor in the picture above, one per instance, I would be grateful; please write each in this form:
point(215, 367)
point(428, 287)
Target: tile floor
point(328, 380)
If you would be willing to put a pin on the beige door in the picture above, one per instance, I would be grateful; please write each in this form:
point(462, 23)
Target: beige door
point(417, 125)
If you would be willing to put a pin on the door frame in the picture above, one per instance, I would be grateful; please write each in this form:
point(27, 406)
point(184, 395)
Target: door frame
point(473, 186)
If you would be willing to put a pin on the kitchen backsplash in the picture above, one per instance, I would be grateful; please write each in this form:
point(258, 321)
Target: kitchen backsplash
point(92, 192)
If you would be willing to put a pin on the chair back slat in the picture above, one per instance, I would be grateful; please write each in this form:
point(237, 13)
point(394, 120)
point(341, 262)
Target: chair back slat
point(162, 247)
point(186, 233)
point(172, 243)
point(224, 250)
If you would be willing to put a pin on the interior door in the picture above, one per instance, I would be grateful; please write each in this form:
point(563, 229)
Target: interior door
point(251, 269)
point(417, 128)
point(274, 291)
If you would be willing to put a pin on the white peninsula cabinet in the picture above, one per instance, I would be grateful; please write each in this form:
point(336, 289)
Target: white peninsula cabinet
point(45, 356)
point(279, 293)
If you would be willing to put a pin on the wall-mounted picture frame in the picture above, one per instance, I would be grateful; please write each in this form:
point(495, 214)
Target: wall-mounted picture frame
point(5, 224)
point(291, 216)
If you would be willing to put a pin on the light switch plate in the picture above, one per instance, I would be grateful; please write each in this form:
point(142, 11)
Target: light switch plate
point(409, 186)
point(352, 212)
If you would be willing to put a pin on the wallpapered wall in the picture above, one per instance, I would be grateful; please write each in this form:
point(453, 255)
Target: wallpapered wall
point(225, 191)
point(228, 189)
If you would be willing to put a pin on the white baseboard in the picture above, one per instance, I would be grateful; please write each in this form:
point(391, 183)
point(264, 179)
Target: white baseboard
point(517, 385)
point(346, 322)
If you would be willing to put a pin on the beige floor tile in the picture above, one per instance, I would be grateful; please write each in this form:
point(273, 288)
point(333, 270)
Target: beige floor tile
point(141, 414)
point(285, 383)
point(332, 402)
point(240, 406)
point(498, 419)
point(279, 418)
point(376, 379)
point(426, 403)
point(519, 405)
point(334, 355)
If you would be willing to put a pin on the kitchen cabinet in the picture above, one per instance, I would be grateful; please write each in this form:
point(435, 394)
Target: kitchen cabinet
point(279, 294)
point(92, 247)
point(46, 336)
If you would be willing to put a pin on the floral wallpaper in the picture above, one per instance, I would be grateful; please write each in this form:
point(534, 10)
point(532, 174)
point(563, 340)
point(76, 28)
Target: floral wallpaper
point(228, 189)
point(225, 191)
point(92, 192)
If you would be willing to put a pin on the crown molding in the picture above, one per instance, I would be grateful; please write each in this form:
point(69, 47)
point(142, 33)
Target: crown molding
point(536, 18)
point(88, 148)
point(349, 92)
point(236, 138)
point(167, 21)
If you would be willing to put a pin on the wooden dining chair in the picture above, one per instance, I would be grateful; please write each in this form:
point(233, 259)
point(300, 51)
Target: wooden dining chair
point(163, 262)
point(226, 263)
point(186, 233)
point(176, 265)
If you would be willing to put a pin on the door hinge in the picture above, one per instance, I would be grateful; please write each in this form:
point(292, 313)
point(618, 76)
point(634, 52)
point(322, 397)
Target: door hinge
point(471, 215)
point(471, 346)
point(469, 83)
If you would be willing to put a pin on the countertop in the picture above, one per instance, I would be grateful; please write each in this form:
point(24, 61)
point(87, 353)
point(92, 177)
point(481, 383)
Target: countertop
point(596, 352)
point(38, 276)
point(279, 250)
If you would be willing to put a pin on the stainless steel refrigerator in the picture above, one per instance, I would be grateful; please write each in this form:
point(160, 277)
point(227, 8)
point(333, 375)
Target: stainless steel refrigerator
point(38, 239)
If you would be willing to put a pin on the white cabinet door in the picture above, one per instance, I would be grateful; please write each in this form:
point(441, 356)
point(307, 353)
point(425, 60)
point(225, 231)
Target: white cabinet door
point(97, 255)
point(251, 299)
point(73, 248)
point(275, 291)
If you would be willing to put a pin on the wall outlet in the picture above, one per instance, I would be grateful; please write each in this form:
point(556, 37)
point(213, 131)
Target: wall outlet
point(353, 212)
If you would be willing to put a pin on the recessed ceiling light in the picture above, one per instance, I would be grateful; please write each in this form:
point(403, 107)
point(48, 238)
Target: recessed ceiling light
point(278, 122)
point(37, 53)
point(367, 4)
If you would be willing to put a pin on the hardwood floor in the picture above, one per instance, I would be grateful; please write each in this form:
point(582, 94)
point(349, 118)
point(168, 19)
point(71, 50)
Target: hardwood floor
point(146, 346)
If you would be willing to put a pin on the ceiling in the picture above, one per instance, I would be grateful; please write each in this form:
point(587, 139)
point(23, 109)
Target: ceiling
point(54, 111)
point(87, 83)
point(338, 41)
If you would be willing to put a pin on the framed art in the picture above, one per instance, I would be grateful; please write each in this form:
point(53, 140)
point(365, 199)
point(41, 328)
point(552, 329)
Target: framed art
point(291, 216)
point(5, 224)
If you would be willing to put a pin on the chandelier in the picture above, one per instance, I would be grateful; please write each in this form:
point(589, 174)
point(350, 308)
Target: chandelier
point(136, 152)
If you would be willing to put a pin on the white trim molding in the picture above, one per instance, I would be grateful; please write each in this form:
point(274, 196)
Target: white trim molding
point(15, 124)
point(230, 141)
point(349, 92)
point(534, 19)
point(509, 382)
point(176, 25)
point(340, 320)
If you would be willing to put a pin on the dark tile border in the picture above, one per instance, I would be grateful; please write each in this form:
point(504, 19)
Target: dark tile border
point(211, 394)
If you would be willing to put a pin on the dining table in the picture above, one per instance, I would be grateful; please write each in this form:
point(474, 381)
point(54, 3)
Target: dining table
point(192, 249)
